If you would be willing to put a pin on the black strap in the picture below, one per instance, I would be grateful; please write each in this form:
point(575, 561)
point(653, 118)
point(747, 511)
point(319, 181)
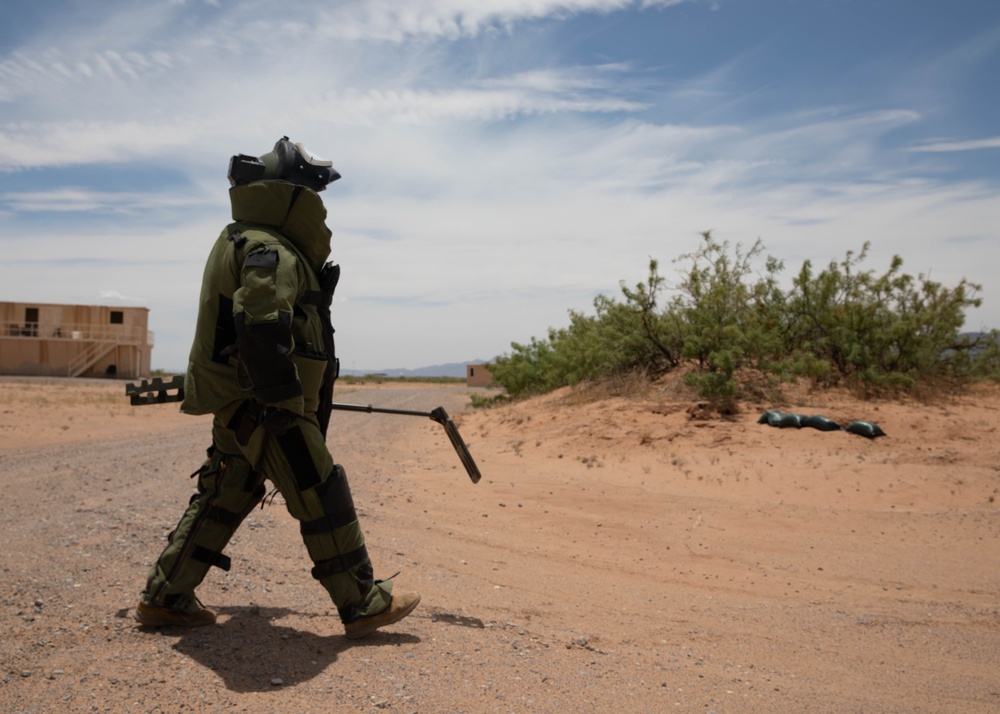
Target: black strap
point(340, 563)
point(329, 522)
point(224, 517)
point(211, 557)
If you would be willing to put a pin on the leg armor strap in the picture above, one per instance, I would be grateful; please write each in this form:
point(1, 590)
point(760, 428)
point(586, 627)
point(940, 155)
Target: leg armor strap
point(341, 563)
point(212, 558)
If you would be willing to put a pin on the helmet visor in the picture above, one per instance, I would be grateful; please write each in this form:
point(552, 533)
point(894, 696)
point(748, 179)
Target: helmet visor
point(297, 164)
point(311, 158)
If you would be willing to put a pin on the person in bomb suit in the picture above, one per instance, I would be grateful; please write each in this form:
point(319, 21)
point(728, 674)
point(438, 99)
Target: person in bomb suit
point(263, 364)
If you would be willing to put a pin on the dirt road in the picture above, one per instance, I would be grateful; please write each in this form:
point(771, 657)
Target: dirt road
point(617, 555)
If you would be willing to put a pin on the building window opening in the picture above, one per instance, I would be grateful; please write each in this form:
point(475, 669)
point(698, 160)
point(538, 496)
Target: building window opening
point(30, 322)
point(117, 317)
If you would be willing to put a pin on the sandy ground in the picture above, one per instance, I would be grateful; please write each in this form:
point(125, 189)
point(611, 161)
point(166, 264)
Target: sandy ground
point(619, 554)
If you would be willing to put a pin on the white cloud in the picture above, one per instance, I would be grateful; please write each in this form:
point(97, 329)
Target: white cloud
point(32, 144)
point(390, 21)
point(970, 145)
point(75, 200)
point(436, 107)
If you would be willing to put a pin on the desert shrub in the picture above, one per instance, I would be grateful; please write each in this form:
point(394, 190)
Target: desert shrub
point(619, 338)
point(729, 315)
point(729, 320)
point(527, 369)
point(655, 339)
point(880, 331)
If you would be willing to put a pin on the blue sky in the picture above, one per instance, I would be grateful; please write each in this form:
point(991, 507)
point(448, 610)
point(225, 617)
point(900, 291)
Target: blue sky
point(503, 161)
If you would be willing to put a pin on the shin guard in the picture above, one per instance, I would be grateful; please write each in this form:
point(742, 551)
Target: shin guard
point(337, 548)
point(228, 489)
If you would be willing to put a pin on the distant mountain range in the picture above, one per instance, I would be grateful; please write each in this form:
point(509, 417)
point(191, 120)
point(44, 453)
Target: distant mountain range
point(452, 369)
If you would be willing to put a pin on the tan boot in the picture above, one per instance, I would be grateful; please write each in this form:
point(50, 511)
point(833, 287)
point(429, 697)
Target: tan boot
point(400, 606)
point(151, 615)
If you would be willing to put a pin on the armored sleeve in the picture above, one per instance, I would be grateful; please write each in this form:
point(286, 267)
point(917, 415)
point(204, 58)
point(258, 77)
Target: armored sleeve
point(262, 312)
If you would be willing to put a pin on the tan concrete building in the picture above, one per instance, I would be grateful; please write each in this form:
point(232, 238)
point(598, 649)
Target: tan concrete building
point(478, 375)
point(75, 340)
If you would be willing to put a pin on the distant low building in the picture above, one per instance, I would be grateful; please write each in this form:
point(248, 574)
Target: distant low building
point(478, 375)
point(75, 340)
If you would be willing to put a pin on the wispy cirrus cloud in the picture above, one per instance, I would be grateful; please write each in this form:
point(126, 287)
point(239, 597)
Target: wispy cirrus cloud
point(68, 141)
point(967, 145)
point(541, 92)
point(83, 200)
point(390, 21)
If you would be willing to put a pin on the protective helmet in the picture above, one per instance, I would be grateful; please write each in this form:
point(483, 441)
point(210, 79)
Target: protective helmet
point(286, 162)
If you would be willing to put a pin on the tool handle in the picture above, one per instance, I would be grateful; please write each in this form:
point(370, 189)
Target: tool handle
point(369, 409)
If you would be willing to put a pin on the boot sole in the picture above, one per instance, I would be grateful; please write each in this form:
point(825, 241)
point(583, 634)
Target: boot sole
point(148, 620)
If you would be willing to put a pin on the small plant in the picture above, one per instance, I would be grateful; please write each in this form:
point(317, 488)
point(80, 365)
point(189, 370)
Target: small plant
point(480, 401)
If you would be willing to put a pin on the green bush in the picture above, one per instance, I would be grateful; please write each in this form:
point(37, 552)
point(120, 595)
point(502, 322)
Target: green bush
point(883, 331)
point(729, 319)
point(845, 325)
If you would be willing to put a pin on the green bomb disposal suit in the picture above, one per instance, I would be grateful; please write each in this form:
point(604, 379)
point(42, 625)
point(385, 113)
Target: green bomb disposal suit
point(262, 354)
